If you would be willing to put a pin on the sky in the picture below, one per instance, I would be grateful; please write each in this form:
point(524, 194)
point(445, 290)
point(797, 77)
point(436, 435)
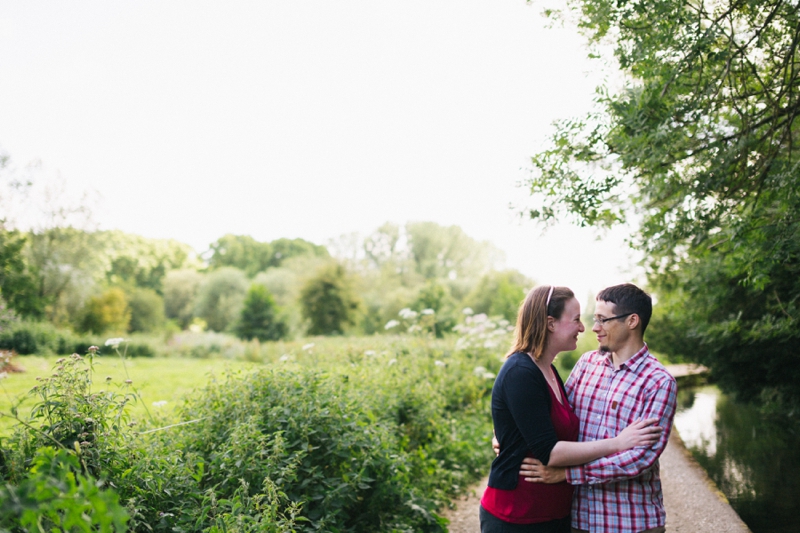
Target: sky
point(302, 119)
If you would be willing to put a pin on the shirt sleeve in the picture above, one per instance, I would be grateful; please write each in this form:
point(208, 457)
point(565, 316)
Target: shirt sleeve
point(661, 401)
point(529, 404)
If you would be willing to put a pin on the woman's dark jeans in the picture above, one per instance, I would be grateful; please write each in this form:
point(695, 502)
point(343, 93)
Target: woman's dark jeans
point(492, 524)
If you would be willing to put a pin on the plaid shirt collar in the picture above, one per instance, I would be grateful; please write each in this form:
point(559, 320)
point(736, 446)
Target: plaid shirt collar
point(631, 364)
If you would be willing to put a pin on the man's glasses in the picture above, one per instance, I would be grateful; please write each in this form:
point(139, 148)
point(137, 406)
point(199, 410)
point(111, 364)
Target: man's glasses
point(602, 321)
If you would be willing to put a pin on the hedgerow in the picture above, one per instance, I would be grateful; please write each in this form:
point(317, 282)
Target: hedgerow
point(326, 437)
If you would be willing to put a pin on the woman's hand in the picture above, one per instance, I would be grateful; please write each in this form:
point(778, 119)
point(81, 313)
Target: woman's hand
point(640, 433)
point(535, 472)
point(495, 445)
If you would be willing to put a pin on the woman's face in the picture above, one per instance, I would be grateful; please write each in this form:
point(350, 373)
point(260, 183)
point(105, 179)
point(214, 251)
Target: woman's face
point(564, 332)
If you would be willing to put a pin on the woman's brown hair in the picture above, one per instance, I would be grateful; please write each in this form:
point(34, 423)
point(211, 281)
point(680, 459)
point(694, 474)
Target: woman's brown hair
point(530, 333)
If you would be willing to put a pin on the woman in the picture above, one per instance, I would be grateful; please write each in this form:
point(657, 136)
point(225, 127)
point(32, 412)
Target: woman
point(532, 417)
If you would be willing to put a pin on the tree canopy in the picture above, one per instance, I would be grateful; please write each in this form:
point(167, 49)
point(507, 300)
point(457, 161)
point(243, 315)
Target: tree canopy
point(698, 148)
point(252, 256)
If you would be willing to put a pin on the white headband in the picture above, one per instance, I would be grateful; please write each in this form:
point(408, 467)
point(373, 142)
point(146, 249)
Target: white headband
point(549, 294)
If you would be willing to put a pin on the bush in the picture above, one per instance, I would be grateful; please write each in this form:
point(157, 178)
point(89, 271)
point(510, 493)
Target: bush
point(58, 496)
point(27, 338)
point(352, 435)
point(328, 301)
point(259, 318)
point(180, 292)
point(147, 310)
point(107, 312)
point(220, 298)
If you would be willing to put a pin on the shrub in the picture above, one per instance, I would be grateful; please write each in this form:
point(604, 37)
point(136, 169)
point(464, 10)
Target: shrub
point(355, 435)
point(499, 294)
point(147, 310)
point(221, 296)
point(27, 338)
point(259, 318)
point(180, 292)
point(328, 301)
point(58, 496)
point(107, 312)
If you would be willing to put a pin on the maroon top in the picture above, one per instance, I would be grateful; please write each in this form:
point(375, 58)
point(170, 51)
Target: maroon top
point(530, 503)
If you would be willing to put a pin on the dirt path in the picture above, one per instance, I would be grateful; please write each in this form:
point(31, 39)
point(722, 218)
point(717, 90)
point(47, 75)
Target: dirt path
point(692, 500)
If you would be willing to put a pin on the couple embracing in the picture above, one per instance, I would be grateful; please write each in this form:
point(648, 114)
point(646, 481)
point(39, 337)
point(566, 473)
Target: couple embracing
point(581, 456)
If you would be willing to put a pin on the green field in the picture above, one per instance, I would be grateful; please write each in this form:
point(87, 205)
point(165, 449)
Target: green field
point(157, 380)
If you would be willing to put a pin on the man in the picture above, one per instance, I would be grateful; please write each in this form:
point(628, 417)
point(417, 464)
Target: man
point(609, 389)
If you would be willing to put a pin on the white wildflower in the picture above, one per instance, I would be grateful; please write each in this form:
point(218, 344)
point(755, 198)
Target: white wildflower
point(479, 370)
point(114, 342)
point(160, 403)
point(468, 311)
point(392, 361)
point(439, 363)
point(407, 314)
point(428, 311)
point(285, 357)
point(369, 352)
point(488, 375)
point(391, 324)
point(308, 346)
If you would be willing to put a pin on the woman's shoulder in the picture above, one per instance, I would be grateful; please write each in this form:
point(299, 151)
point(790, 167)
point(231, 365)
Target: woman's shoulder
point(520, 362)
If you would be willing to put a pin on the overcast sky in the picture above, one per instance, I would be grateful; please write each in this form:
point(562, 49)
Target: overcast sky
point(300, 118)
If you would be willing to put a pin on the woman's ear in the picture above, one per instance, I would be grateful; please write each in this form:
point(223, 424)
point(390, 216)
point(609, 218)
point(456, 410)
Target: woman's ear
point(551, 324)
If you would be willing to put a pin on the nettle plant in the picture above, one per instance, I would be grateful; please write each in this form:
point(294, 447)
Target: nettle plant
point(61, 456)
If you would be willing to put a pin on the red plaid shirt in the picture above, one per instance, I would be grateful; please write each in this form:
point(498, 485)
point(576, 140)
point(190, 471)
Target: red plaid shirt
point(620, 493)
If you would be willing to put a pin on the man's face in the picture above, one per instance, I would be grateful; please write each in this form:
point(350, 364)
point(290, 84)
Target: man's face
point(612, 334)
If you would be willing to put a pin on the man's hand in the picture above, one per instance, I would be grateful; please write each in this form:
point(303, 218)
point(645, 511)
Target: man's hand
point(535, 472)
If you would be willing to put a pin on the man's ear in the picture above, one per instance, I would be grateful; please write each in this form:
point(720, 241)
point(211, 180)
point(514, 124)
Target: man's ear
point(633, 321)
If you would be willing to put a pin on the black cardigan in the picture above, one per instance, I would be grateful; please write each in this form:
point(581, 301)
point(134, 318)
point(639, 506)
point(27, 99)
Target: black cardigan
point(521, 415)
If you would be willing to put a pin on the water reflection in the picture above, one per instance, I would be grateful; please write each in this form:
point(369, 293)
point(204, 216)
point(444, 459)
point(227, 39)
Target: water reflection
point(753, 458)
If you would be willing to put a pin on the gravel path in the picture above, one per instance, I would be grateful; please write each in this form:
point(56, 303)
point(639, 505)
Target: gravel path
point(692, 500)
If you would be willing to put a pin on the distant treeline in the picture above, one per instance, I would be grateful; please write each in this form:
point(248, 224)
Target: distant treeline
point(110, 282)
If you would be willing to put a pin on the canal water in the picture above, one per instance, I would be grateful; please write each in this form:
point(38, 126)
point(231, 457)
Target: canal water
point(753, 458)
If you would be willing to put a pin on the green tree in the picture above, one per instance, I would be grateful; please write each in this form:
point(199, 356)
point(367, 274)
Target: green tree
point(328, 301)
point(221, 296)
point(135, 261)
point(447, 252)
point(108, 312)
point(259, 318)
point(19, 285)
point(436, 297)
point(242, 252)
point(180, 291)
point(700, 142)
point(252, 256)
point(499, 294)
point(147, 310)
point(70, 265)
point(283, 249)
